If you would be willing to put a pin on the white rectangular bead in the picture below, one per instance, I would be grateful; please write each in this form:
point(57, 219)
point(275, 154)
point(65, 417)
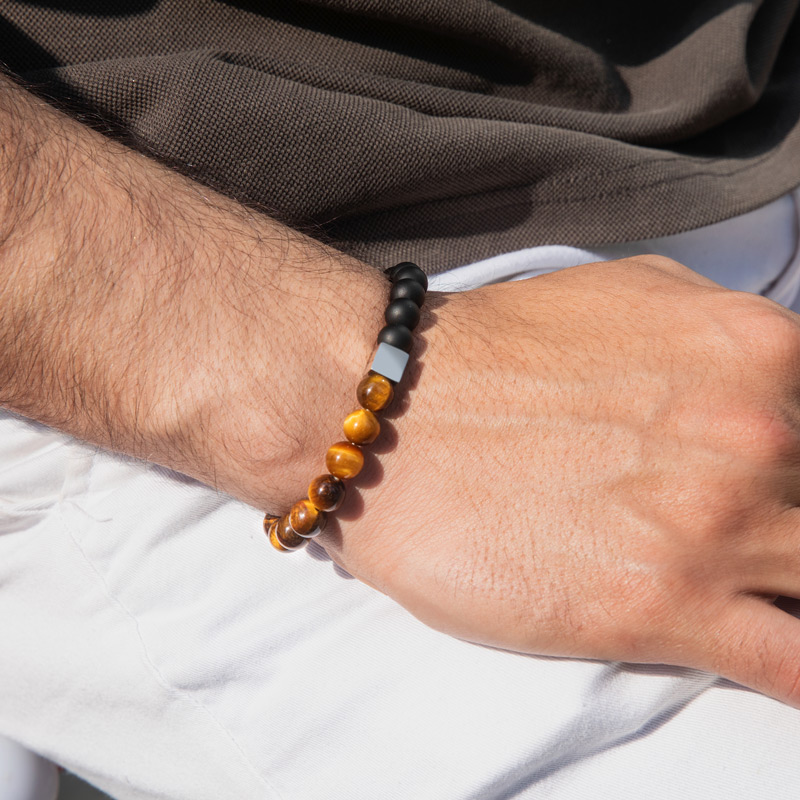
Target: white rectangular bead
point(390, 362)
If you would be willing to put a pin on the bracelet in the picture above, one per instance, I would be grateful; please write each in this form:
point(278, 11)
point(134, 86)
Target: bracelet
point(306, 518)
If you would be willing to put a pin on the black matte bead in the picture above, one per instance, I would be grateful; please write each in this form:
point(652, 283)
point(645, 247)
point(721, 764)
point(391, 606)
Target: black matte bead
point(391, 271)
point(412, 272)
point(397, 336)
point(408, 290)
point(402, 312)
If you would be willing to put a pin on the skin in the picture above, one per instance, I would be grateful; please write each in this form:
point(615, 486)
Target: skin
point(602, 462)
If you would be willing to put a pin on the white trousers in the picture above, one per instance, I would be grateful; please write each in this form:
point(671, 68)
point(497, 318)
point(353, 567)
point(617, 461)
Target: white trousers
point(154, 643)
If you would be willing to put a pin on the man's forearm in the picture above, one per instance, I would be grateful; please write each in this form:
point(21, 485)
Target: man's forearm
point(127, 290)
point(601, 462)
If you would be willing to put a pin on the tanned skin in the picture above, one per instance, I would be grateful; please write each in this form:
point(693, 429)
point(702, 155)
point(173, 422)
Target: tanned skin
point(602, 462)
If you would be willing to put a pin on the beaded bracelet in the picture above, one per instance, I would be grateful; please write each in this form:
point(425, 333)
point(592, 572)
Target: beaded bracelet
point(344, 460)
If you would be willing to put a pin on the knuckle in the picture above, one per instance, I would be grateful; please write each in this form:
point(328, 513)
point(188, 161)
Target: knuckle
point(766, 332)
point(762, 436)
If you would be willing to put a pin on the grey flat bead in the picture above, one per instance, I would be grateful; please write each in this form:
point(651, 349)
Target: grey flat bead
point(390, 362)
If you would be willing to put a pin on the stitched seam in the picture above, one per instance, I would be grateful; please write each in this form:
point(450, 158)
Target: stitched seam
point(180, 693)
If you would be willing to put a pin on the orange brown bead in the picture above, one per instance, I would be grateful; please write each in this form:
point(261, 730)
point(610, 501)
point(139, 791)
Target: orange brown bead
point(273, 539)
point(306, 519)
point(361, 427)
point(326, 492)
point(374, 392)
point(269, 519)
point(344, 460)
point(286, 537)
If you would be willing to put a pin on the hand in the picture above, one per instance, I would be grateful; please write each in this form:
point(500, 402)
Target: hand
point(602, 462)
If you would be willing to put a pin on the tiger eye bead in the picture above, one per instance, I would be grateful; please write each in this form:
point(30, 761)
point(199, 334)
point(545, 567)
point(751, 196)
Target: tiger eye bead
point(326, 492)
point(306, 519)
point(361, 427)
point(286, 537)
point(375, 392)
point(344, 460)
point(273, 539)
point(269, 519)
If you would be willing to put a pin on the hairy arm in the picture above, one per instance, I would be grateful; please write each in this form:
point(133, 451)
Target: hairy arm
point(127, 290)
point(602, 462)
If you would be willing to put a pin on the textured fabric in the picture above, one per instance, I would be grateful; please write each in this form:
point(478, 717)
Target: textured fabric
point(446, 130)
point(154, 643)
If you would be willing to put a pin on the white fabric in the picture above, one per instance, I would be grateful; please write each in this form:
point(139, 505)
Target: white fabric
point(24, 775)
point(154, 643)
point(751, 253)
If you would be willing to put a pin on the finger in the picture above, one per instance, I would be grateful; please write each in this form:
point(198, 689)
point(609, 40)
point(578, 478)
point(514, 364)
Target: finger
point(769, 562)
point(758, 645)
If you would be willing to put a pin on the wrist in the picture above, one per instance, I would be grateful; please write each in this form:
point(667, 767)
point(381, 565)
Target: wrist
point(303, 332)
point(152, 316)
